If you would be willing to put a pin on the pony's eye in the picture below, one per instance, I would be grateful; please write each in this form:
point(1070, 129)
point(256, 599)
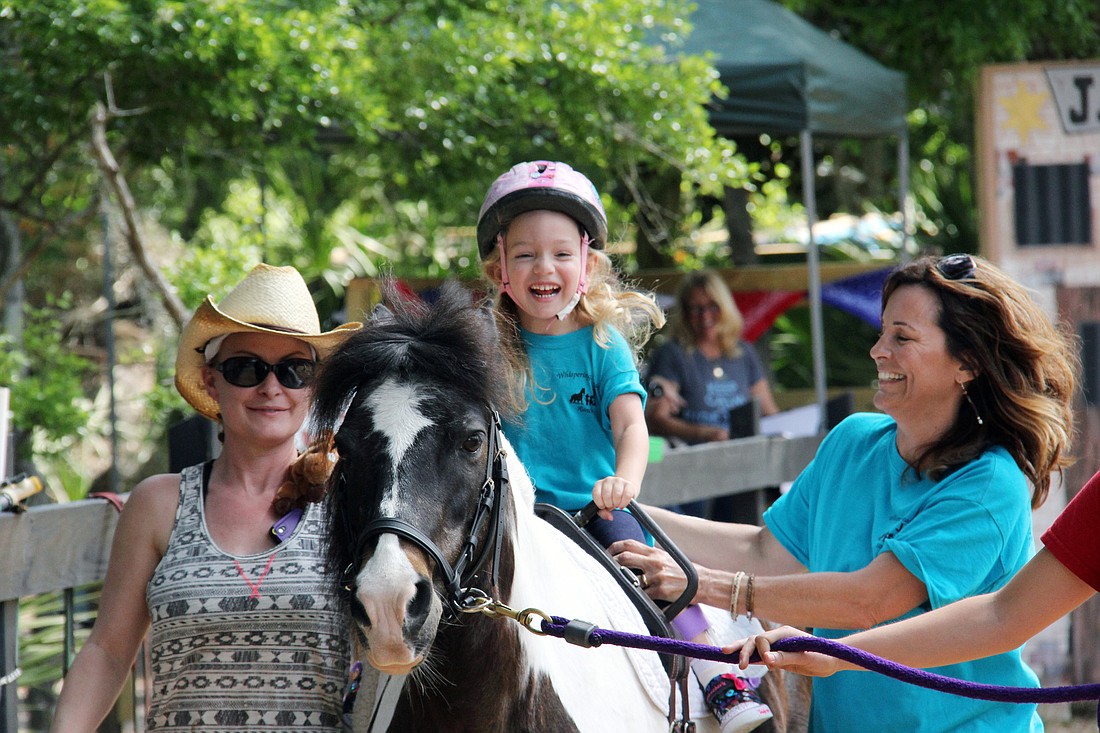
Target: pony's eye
point(473, 442)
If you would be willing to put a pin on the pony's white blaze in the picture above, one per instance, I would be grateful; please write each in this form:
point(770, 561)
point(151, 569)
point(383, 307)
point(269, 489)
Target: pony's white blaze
point(396, 410)
point(387, 582)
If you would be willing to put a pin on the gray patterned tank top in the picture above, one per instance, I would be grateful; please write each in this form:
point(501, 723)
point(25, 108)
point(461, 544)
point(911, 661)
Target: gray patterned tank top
point(254, 643)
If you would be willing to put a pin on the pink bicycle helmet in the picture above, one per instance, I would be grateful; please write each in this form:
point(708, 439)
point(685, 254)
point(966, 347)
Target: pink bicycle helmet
point(536, 185)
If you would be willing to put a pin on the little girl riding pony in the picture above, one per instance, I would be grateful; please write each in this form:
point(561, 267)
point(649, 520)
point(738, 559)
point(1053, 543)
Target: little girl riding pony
point(570, 334)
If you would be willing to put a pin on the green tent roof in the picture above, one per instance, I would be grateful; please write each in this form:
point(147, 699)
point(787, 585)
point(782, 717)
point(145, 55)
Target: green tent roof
point(785, 76)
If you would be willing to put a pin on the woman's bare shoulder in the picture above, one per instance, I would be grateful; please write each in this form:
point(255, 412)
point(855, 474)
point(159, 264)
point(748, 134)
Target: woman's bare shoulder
point(152, 488)
point(153, 504)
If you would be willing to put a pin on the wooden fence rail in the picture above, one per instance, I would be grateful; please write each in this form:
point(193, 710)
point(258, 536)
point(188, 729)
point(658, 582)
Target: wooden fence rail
point(62, 546)
point(48, 548)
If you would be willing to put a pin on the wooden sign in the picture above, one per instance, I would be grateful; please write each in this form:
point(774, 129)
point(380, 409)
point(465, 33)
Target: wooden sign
point(1039, 171)
point(1076, 91)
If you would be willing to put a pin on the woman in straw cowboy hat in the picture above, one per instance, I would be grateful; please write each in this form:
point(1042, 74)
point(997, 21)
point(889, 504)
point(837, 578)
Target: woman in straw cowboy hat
point(246, 632)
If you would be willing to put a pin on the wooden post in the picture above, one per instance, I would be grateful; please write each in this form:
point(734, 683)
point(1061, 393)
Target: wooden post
point(9, 610)
point(9, 649)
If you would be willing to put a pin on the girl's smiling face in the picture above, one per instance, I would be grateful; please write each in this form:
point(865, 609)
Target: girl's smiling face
point(543, 251)
point(918, 378)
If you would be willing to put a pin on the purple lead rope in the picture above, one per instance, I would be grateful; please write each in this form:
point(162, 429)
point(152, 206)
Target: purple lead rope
point(585, 634)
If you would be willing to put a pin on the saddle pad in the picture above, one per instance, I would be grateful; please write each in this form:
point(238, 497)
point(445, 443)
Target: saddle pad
point(621, 613)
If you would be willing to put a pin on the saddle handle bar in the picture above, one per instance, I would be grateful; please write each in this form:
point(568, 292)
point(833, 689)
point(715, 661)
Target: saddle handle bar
point(584, 516)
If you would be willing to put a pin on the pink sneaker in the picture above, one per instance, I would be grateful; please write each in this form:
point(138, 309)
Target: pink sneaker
point(736, 705)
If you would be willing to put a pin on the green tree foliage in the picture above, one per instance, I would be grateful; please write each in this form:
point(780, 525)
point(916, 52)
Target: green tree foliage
point(501, 82)
point(204, 94)
point(403, 110)
point(47, 381)
point(847, 343)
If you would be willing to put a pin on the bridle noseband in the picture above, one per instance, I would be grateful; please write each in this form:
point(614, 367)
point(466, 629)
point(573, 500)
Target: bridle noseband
point(459, 578)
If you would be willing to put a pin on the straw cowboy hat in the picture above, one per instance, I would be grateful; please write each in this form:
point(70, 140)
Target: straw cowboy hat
point(271, 300)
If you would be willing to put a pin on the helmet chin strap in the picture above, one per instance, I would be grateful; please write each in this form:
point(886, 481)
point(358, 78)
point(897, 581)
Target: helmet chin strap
point(582, 283)
point(505, 283)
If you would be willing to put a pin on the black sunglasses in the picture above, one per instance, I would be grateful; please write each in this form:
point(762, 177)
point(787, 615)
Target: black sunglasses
point(957, 267)
point(248, 371)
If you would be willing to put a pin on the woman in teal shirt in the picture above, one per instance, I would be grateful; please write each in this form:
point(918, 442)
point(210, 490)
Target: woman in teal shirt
point(910, 510)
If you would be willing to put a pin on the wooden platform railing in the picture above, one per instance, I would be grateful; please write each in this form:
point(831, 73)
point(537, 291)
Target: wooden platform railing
point(62, 546)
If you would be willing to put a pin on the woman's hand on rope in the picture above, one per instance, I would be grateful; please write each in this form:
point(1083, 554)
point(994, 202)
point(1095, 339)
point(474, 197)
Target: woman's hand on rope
point(665, 579)
point(811, 664)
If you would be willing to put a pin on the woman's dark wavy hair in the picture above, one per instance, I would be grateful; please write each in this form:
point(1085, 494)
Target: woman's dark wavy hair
point(1025, 370)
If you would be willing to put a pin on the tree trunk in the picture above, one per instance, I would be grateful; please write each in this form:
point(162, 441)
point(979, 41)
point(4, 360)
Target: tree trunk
point(660, 214)
point(739, 227)
point(112, 175)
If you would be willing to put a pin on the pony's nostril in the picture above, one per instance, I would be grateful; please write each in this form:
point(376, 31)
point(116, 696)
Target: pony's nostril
point(421, 600)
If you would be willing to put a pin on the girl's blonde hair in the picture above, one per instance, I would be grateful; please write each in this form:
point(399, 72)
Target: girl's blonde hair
point(730, 322)
point(607, 305)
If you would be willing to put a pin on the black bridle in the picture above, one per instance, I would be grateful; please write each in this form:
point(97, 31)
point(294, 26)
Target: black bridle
point(459, 578)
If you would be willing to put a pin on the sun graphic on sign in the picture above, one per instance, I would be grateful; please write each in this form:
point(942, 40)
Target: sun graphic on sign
point(1024, 108)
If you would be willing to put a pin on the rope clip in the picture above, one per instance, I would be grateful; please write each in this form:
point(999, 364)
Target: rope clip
point(476, 601)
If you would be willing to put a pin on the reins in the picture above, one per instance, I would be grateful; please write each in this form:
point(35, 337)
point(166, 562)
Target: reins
point(462, 595)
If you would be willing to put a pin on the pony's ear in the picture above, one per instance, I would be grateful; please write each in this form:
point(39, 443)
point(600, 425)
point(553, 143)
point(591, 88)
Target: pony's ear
point(381, 314)
point(485, 312)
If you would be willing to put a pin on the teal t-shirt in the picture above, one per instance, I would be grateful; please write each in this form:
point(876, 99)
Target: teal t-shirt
point(964, 535)
point(564, 438)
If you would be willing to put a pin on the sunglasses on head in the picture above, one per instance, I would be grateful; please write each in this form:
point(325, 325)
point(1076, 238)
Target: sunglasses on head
point(248, 371)
point(957, 267)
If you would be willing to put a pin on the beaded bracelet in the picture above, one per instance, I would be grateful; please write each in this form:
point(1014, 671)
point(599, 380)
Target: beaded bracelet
point(735, 593)
point(748, 598)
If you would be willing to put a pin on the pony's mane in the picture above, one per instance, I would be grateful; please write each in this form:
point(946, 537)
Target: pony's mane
point(451, 342)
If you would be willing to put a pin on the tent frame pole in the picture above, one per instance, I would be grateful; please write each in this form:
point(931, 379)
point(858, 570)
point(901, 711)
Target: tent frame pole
point(817, 330)
point(903, 193)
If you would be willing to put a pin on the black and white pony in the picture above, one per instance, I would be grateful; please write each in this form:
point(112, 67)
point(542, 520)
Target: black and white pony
point(432, 514)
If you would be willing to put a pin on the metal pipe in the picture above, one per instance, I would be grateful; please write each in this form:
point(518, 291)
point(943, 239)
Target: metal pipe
point(813, 266)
